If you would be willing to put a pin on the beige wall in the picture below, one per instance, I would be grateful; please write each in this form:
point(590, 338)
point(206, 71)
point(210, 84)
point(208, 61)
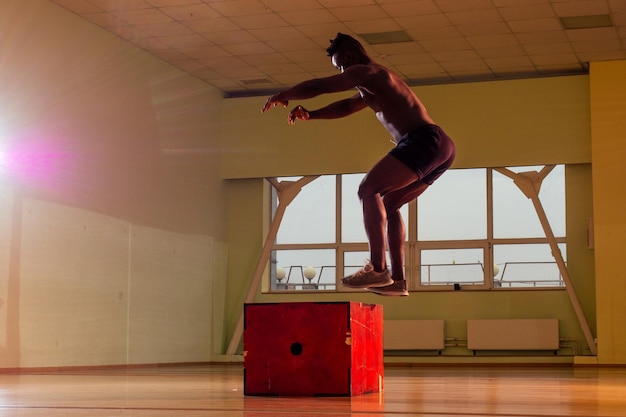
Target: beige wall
point(493, 124)
point(111, 208)
point(119, 242)
point(521, 122)
point(608, 121)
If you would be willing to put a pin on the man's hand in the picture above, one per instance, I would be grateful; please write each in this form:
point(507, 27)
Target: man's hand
point(298, 112)
point(274, 101)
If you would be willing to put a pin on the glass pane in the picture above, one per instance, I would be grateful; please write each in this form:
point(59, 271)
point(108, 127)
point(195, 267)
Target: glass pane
point(353, 261)
point(307, 269)
point(452, 266)
point(527, 266)
point(454, 207)
point(310, 217)
point(514, 214)
point(352, 229)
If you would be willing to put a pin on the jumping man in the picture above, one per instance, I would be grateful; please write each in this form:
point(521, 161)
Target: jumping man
point(422, 153)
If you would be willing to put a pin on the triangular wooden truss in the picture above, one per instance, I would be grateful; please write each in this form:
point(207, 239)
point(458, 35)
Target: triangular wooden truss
point(528, 182)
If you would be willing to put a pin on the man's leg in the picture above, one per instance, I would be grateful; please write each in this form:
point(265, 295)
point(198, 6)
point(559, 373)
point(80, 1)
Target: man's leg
point(386, 177)
point(396, 235)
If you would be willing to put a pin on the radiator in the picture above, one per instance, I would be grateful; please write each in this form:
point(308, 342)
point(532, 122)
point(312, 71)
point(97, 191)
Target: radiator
point(414, 335)
point(520, 334)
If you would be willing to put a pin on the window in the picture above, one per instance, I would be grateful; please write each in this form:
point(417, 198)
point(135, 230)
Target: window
point(474, 228)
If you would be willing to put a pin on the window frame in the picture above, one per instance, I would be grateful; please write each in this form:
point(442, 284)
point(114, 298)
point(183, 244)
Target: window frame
point(413, 249)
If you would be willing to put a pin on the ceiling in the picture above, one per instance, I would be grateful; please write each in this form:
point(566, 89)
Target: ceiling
point(252, 47)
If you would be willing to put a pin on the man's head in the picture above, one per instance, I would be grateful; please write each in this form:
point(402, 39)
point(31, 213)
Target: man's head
point(344, 51)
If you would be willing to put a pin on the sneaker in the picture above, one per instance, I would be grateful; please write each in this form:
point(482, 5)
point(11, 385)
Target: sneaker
point(367, 277)
point(397, 289)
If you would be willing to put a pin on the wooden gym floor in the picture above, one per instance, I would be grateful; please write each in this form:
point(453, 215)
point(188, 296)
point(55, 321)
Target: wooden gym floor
point(217, 390)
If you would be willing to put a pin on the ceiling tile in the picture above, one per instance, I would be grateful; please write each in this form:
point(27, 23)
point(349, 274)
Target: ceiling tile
point(535, 25)
point(190, 12)
point(502, 52)
point(239, 7)
point(549, 48)
point(241, 73)
point(428, 70)
point(511, 3)
point(404, 49)
point(261, 21)
point(484, 29)
point(170, 55)
point(130, 33)
point(290, 44)
point(104, 19)
point(150, 44)
point(291, 78)
point(416, 58)
point(205, 52)
point(78, 6)
point(279, 33)
point(592, 34)
point(599, 55)
point(581, 7)
point(142, 16)
point(231, 37)
point(351, 3)
point(377, 25)
point(508, 62)
point(189, 64)
point(348, 14)
point(266, 59)
point(183, 41)
point(251, 48)
point(227, 61)
point(410, 8)
point(474, 17)
point(492, 41)
point(425, 21)
point(454, 40)
point(165, 29)
point(554, 59)
point(308, 17)
point(527, 12)
point(462, 5)
point(542, 37)
point(443, 45)
point(597, 45)
point(291, 5)
point(441, 32)
point(165, 3)
point(115, 5)
point(456, 56)
point(323, 30)
point(217, 24)
point(276, 69)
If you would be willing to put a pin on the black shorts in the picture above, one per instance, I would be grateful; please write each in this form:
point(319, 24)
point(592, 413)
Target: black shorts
point(427, 150)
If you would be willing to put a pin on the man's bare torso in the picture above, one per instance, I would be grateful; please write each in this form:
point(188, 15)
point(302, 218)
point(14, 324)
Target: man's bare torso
point(395, 104)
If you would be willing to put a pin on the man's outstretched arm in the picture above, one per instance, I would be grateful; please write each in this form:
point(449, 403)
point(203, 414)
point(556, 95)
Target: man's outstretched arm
point(334, 110)
point(347, 80)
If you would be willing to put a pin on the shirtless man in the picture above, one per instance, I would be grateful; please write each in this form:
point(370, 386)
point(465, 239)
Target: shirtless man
point(422, 153)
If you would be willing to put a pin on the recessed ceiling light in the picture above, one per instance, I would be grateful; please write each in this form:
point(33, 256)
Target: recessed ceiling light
point(586, 22)
point(378, 38)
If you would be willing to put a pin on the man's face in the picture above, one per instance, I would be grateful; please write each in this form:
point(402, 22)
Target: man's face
point(340, 61)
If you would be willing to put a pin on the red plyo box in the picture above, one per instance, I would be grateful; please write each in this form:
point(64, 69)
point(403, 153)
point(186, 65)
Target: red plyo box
point(313, 349)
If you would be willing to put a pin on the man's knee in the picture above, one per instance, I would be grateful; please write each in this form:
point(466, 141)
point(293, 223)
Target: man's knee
point(392, 205)
point(366, 189)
